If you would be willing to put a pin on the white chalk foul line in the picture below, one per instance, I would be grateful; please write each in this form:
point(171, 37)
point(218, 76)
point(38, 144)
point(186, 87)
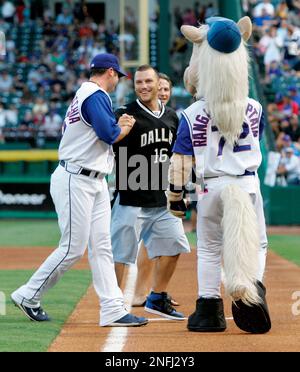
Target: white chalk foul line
point(116, 339)
point(165, 320)
point(173, 320)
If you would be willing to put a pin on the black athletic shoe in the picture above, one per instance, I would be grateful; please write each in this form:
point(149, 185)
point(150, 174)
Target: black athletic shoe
point(143, 304)
point(208, 316)
point(36, 314)
point(255, 318)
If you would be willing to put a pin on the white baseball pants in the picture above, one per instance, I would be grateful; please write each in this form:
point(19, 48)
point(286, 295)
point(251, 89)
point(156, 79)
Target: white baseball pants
point(210, 236)
point(83, 208)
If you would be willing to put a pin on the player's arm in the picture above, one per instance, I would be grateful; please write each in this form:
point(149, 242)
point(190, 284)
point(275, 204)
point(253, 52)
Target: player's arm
point(97, 112)
point(180, 169)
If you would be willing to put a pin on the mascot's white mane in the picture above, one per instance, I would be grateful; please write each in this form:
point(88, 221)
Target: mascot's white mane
point(220, 78)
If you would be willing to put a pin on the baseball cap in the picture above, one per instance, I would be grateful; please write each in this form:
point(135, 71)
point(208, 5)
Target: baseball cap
point(106, 60)
point(224, 34)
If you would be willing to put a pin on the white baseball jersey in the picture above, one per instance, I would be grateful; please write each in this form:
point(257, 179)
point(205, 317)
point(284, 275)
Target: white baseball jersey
point(221, 163)
point(198, 136)
point(82, 204)
point(80, 144)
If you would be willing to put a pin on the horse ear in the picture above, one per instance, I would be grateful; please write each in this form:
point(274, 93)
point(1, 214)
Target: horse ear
point(245, 26)
point(192, 34)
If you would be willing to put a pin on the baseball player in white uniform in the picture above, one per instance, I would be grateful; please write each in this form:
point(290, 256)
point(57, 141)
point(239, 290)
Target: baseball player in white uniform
point(80, 194)
point(219, 135)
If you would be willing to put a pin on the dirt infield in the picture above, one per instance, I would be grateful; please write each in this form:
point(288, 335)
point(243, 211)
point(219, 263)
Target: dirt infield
point(81, 332)
point(283, 230)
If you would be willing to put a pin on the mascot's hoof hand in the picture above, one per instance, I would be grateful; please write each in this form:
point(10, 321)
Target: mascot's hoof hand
point(178, 208)
point(255, 318)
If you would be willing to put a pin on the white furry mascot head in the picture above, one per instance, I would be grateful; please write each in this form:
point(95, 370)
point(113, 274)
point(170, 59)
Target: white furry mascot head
point(218, 71)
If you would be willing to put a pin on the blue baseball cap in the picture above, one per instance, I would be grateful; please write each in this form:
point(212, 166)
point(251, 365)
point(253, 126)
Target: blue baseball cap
point(106, 60)
point(224, 34)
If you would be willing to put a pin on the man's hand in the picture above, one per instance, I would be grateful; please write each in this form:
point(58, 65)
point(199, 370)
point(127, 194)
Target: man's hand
point(176, 204)
point(126, 121)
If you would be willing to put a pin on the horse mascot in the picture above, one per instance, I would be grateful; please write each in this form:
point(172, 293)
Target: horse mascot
point(218, 139)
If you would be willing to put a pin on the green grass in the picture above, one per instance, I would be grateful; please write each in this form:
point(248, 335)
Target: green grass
point(286, 246)
point(29, 233)
point(17, 333)
point(192, 238)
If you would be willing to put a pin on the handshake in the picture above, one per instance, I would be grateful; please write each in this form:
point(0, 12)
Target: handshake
point(126, 121)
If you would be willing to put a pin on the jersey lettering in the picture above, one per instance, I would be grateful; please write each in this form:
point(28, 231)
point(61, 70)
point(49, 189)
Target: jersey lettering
point(156, 136)
point(73, 115)
point(254, 118)
point(200, 131)
point(245, 134)
point(237, 147)
point(213, 154)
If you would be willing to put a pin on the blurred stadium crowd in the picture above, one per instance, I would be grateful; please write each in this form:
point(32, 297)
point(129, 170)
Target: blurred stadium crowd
point(277, 48)
point(47, 56)
point(46, 60)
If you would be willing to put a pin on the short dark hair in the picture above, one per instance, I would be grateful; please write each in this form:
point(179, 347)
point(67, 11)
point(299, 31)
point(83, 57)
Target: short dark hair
point(165, 77)
point(146, 68)
point(97, 71)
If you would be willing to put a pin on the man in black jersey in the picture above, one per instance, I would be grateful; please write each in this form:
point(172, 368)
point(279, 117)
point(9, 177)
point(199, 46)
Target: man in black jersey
point(140, 211)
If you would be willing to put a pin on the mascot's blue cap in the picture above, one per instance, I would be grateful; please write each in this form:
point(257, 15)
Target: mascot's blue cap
point(224, 34)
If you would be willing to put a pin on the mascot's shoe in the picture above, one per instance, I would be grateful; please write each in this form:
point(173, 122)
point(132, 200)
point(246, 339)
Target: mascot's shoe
point(208, 316)
point(254, 318)
point(160, 304)
point(35, 314)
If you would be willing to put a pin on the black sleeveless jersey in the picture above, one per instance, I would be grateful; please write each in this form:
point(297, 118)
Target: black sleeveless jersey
point(143, 157)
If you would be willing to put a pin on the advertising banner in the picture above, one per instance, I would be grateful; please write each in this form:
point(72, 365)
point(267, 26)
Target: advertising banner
point(25, 197)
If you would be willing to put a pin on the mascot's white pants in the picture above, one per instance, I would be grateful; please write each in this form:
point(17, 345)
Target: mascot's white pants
point(210, 235)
